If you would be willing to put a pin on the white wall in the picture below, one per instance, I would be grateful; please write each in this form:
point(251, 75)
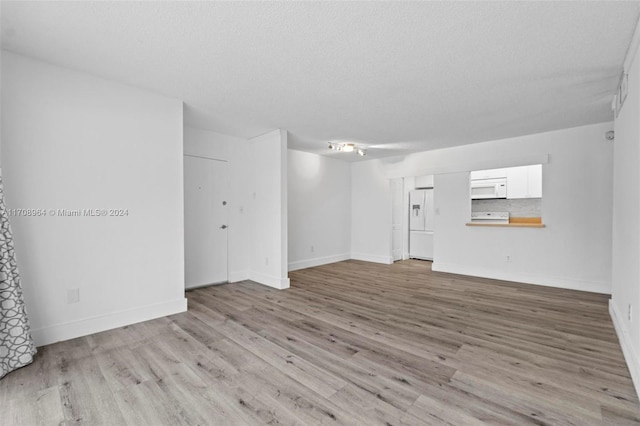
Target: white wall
point(573, 251)
point(626, 224)
point(370, 212)
point(236, 152)
point(319, 209)
point(73, 141)
point(269, 210)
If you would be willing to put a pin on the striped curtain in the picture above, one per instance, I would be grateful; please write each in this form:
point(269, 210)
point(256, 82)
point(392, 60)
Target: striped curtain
point(16, 346)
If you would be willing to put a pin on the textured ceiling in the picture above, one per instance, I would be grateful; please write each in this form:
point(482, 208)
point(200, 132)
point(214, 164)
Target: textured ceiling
point(395, 76)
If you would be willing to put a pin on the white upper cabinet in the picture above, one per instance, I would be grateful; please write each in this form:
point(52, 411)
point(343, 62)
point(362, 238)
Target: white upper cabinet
point(517, 182)
point(424, 181)
point(535, 181)
point(489, 174)
point(524, 182)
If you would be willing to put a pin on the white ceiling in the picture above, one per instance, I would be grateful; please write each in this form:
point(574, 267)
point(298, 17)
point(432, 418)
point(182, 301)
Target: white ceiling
point(397, 77)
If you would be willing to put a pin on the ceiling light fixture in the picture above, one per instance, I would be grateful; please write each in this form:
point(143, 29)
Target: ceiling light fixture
point(347, 147)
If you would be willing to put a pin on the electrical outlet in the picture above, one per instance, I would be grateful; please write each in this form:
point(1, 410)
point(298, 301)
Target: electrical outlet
point(266, 261)
point(508, 258)
point(629, 311)
point(73, 295)
point(313, 249)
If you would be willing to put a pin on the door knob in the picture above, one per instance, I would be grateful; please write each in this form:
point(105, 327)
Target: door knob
point(223, 227)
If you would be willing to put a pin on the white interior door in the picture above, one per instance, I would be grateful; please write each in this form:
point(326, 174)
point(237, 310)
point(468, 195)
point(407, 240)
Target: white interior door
point(205, 221)
point(396, 218)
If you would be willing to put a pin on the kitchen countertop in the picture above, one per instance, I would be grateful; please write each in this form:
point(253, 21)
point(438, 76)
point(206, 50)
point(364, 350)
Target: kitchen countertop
point(514, 222)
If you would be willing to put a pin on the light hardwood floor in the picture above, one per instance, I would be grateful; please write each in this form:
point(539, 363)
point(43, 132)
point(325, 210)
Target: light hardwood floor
point(349, 343)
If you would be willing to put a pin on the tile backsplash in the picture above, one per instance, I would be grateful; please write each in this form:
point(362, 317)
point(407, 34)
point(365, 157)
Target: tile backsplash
point(519, 207)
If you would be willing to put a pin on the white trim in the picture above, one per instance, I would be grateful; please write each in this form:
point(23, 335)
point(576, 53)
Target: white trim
point(236, 276)
point(196, 286)
point(387, 260)
point(421, 258)
point(269, 280)
point(96, 324)
point(632, 49)
point(284, 210)
point(310, 263)
point(630, 355)
point(545, 280)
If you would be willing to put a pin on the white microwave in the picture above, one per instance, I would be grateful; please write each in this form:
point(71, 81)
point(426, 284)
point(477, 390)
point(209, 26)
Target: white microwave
point(488, 188)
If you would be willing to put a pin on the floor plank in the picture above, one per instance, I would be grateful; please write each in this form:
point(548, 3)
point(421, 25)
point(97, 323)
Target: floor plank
point(350, 343)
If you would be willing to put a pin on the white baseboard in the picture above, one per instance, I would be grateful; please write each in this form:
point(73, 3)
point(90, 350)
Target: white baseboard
point(310, 263)
point(549, 281)
point(260, 278)
point(387, 260)
point(630, 355)
point(237, 276)
point(86, 326)
point(269, 280)
point(195, 287)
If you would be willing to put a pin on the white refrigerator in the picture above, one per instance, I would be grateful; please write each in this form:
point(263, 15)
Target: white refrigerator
point(421, 214)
